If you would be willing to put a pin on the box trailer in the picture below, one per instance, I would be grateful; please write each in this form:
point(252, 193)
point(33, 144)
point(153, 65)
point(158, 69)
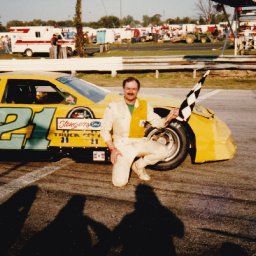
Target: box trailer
point(37, 39)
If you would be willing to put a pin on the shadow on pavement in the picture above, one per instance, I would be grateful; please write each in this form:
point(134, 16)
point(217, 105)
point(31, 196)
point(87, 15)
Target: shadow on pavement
point(149, 229)
point(228, 249)
point(13, 214)
point(69, 233)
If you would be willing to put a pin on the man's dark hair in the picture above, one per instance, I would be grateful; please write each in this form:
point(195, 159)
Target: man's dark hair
point(130, 79)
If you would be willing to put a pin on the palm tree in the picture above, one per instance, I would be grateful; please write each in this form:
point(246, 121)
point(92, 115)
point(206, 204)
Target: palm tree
point(80, 40)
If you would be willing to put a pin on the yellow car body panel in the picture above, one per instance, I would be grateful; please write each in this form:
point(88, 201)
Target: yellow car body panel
point(213, 139)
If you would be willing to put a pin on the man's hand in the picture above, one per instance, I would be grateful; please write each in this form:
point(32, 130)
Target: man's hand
point(114, 155)
point(172, 115)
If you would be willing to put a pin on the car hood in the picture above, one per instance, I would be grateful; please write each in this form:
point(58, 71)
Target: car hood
point(162, 102)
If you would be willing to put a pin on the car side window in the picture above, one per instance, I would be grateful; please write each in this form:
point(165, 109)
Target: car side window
point(47, 94)
point(21, 91)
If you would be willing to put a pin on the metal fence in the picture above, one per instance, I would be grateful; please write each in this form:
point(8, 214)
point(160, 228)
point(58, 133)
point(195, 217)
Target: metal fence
point(115, 64)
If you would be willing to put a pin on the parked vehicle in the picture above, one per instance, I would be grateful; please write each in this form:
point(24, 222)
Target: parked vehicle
point(37, 39)
point(190, 38)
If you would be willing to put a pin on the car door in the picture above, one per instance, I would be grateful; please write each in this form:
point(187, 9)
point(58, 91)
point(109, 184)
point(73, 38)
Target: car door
point(39, 114)
point(27, 113)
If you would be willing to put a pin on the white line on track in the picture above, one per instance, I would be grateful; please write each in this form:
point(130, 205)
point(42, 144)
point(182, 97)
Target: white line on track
point(208, 95)
point(15, 185)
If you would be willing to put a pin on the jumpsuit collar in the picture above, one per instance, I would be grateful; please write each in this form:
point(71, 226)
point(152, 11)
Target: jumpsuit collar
point(136, 104)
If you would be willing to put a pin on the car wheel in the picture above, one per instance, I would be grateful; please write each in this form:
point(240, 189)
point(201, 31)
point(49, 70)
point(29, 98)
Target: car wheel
point(28, 53)
point(203, 40)
point(176, 139)
point(190, 39)
point(69, 52)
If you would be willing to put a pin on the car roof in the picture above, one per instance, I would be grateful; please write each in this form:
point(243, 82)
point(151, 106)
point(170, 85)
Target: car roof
point(32, 74)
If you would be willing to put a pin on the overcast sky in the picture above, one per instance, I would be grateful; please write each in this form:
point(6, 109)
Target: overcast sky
point(93, 10)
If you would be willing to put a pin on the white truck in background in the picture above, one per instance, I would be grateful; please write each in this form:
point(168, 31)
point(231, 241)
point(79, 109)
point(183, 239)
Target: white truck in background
point(37, 39)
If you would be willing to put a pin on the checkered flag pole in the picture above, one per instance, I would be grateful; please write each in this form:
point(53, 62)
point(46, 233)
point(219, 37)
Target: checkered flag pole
point(188, 104)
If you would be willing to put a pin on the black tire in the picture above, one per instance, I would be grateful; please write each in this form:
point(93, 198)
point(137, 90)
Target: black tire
point(69, 52)
point(28, 53)
point(176, 138)
point(143, 40)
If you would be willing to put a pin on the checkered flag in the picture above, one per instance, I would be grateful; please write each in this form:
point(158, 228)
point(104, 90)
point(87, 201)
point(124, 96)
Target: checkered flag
point(188, 104)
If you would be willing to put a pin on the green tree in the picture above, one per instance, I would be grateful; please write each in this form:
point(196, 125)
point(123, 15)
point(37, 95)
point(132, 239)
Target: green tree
point(51, 23)
point(109, 22)
point(14, 23)
point(129, 20)
point(178, 20)
point(145, 20)
point(65, 23)
point(2, 28)
point(93, 24)
point(36, 22)
point(153, 20)
point(188, 20)
point(80, 40)
point(220, 17)
point(201, 20)
point(156, 19)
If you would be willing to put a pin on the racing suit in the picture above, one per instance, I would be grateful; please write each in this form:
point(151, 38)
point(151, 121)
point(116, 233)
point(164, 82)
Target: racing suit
point(128, 131)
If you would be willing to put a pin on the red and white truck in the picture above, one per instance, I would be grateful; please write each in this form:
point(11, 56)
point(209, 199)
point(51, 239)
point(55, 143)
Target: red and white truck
point(37, 39)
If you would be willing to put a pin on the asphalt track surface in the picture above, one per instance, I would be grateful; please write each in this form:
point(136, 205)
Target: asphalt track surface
point(62, 207)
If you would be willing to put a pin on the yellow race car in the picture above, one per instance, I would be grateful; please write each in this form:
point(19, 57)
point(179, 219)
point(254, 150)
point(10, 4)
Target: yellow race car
point(56, 112)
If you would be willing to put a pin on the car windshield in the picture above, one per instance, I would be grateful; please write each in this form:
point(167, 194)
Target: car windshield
point(90, 91)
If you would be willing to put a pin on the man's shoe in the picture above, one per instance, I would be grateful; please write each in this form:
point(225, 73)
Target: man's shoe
point(140, 172)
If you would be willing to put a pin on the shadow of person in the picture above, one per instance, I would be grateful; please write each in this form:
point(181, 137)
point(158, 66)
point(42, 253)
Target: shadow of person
point(228, 249)
point(150, 229)
point(68, 234)
point(13, 214)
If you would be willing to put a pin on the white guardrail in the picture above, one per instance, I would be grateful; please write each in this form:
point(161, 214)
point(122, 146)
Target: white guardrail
point(110, 64)
point(115, 64)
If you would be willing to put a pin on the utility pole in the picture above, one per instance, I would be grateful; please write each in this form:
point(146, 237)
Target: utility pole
point(121, 9)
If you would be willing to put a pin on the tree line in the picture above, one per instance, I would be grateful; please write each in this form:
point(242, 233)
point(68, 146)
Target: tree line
point(208, 14)
point(115, 22)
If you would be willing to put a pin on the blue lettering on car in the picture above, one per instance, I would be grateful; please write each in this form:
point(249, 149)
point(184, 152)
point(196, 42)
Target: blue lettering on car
point(95, 124)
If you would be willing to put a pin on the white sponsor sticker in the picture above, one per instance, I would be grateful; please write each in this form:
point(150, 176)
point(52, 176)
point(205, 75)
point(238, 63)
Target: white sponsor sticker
point(142, 123)
point(78, 124)
point(99, 156)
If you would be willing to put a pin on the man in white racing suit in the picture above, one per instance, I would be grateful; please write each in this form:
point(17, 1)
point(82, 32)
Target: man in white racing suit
point(125, 120)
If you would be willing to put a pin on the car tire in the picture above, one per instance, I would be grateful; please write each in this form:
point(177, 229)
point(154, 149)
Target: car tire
point(28, 53)
point(203, 40)
point(190, 39)
point(176, 138)
point(69, 52)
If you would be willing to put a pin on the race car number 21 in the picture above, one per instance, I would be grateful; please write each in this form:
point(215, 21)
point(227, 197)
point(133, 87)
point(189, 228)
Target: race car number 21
point(23, 118)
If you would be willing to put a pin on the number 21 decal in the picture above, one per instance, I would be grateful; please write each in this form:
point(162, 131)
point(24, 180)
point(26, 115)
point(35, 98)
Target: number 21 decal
point(23, 118)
